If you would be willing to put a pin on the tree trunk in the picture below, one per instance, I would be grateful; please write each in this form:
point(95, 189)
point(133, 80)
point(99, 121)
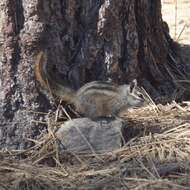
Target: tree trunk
point(84, 41)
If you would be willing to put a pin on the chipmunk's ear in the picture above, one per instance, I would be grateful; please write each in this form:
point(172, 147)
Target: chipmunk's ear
point(133, 85)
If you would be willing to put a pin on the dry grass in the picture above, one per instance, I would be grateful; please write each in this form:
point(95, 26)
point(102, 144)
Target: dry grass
point(158, 159)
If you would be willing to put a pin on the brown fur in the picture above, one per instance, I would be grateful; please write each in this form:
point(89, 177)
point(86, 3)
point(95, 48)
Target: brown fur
point(94, 99)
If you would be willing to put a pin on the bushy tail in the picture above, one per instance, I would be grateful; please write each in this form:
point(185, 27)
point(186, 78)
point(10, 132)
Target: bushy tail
point(48, 82)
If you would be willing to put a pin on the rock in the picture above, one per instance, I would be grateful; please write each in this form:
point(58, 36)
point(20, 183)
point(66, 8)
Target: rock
point(87, 136)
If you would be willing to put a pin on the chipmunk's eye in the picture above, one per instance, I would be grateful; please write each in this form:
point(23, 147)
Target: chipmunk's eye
point(141, 96)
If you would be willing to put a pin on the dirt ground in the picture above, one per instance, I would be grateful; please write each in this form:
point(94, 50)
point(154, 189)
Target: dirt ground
point(157, 157)
point(177, 14)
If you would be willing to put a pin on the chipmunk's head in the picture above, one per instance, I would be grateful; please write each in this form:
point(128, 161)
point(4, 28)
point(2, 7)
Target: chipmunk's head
point(132, 94)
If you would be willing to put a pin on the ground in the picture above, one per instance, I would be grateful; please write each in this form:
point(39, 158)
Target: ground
point(177, 15)
point(157, 157)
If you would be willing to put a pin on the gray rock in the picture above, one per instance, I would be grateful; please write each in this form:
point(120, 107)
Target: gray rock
point(87, 136)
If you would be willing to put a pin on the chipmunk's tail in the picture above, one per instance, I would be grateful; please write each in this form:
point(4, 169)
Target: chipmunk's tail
point(49, 82)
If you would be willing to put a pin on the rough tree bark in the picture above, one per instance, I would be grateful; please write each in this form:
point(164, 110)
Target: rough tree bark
point(86, 40)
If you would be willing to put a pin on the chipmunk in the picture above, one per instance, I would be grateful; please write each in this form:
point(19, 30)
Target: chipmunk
point(94, 99)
